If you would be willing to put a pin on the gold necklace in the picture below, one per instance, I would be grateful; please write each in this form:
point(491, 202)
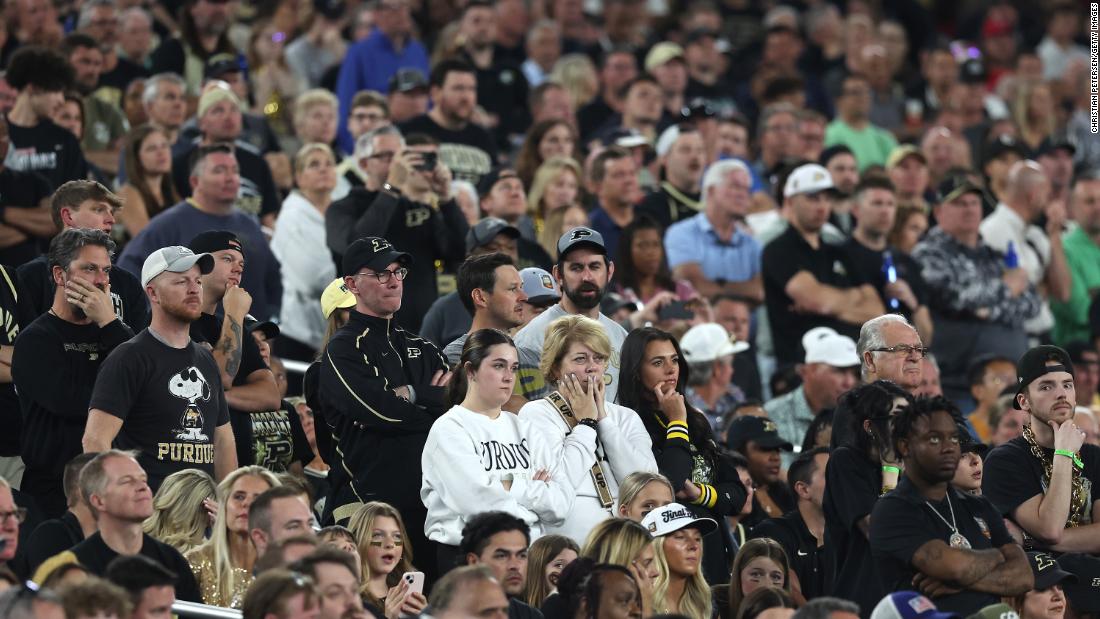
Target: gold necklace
point(1079, 485)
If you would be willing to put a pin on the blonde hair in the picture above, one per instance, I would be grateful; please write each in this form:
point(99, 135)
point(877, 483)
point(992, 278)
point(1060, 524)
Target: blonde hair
point(696, 601)
point(541, 553)
point(224, 573)
point(563, 333)
point(545, 174)
point(360, 524)
point(312, 97)
point(577, 74)
point(179, 518)
point(308, 149)
point(754, 549)
point(554, 226)
point(617, 541)
point(1022, 105)
point(636, 481)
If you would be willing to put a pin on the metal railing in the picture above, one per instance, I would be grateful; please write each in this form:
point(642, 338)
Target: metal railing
point(191, 610)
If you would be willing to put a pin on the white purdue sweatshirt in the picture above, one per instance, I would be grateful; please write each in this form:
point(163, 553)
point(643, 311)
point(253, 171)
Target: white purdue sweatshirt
point(623, 447)
point(466, 458)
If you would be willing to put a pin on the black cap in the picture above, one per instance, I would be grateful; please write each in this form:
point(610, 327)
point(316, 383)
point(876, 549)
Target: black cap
point(215, 240)
point(1000, 145)
point(1057, 141)
point(1033, 365)
point(759, 430)
point(954, 186)
point(972, 72)
point(699, 33)
point(1084, 593)
point(330, 9)
point(486, 230)
point(487, 181)
point(374, 253)
point(268, 328)
point(698, 108)
point(408, 80)
point(220, 64)
point(577, 237)
point(613, 302)
point(1047, 571)
point(967, 442)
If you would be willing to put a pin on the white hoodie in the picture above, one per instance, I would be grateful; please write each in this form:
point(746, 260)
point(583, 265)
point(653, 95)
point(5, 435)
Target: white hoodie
point(466, 458)
point(623, 447)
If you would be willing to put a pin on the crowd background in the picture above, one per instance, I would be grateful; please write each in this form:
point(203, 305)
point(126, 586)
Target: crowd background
point(630, 308)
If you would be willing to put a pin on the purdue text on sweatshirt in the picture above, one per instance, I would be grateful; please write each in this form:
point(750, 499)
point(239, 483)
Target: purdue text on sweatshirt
point(466, 459)
point(621, 443)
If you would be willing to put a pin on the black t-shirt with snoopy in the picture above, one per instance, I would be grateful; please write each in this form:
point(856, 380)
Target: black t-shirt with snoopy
point(170, 401)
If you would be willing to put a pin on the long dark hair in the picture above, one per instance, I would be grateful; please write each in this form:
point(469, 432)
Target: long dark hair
point(137, 173)
point(634, 395)
point(474, 351)
point(626, 274)
point(872, 402)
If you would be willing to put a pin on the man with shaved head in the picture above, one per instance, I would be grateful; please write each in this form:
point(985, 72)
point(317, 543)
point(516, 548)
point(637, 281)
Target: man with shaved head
point(1039, 250)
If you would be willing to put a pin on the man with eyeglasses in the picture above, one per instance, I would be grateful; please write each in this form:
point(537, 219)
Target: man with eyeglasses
point(382, 387)
point(926, 534)
point(979, 299)
point(65, 346)
point(374, 153)
point(369, 111)
point(11, 516)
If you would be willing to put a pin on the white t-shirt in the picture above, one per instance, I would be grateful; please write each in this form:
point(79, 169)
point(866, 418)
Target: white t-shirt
point(467, 457)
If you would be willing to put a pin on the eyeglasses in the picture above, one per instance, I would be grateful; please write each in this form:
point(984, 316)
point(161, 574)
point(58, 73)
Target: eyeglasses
point(20, 515)
point(384, 276)
point(905, 349)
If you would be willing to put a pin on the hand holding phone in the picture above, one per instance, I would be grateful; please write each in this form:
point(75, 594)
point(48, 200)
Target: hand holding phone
point(415, 582)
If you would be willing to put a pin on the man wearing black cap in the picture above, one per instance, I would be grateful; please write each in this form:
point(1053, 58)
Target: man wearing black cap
point(978, 304)
point(161, 393)
point(1055, 155)
point(416, 209)
point(381, 388)
point(1043, 480)
point(952, 546)
point(249, 385)
point(998, 156)
point(448, 318)
point(408, 95)
point(583, 272)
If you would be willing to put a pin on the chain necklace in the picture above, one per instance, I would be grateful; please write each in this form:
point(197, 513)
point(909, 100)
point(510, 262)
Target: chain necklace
point(956, 540)
point(1079, 485)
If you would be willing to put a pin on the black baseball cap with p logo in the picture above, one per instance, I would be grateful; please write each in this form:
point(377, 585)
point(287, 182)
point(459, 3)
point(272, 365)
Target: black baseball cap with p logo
point(1037, 362)
point(578, 237)
point(374, 253)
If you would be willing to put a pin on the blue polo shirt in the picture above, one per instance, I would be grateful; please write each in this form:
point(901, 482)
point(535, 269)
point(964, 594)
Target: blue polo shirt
point(369, 65)
point(694, 240)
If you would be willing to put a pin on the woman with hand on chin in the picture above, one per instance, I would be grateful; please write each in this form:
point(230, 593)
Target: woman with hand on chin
point(678, 546)
point(595, 444)
point(479, 458)
point(653, 378)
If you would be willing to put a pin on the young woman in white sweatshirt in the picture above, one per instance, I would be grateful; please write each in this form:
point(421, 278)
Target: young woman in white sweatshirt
point(479, 458)
point(574, 357)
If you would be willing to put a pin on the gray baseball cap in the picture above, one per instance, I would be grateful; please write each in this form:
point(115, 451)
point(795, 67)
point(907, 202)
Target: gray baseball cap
point(176, 259)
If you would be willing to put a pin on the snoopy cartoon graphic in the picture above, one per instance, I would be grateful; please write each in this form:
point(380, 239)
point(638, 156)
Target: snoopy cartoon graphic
point(190, 385)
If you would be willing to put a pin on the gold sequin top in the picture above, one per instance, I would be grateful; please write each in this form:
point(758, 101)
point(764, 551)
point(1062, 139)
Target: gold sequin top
point(202, 564)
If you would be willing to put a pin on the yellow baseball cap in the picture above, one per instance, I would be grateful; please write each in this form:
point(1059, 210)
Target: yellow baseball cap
point(336, 296)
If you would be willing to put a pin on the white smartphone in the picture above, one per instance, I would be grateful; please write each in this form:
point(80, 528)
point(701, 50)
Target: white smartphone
point(415, 581)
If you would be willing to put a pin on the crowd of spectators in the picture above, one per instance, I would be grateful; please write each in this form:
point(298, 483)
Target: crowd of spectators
point(549, 308)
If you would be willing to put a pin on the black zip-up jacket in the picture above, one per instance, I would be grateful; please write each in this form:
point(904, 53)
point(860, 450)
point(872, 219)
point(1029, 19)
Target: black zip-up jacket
point(379, 437)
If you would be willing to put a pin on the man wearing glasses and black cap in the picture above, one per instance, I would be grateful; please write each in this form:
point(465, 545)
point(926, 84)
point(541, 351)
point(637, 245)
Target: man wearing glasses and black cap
point(1043, 481)
point(381, 388)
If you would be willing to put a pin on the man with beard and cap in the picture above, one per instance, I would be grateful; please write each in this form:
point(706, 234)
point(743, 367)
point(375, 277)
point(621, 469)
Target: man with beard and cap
point(249, 385)
point(65, 347)
point(104, 124)
point(381, 389)
point(160, 394)
point(807, 282)
point(952, 546)
point(1042, 480)
point(583, 272)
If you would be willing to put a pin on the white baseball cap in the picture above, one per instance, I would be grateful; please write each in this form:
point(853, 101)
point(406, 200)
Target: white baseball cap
point(709, 341)
point(176, 259)
point(809, 178)
point(672, 518)
point(824, 345)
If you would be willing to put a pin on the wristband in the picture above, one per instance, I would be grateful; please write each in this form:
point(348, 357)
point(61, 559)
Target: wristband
point(886, 468)
point(591, 423)
point(1072, 456)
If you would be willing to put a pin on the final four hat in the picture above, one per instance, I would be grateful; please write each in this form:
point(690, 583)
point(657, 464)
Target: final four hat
point(673, 517)
point(539, 286)
point(175, 259)
point(374, 253)
point(1033, 365)
point(580, 236)
point(908, 605)
point(808, 178)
